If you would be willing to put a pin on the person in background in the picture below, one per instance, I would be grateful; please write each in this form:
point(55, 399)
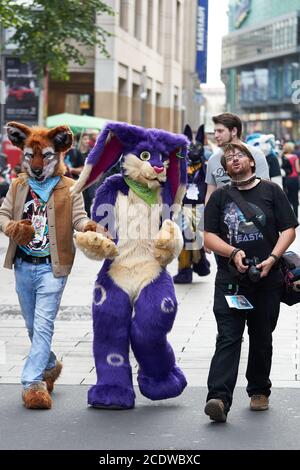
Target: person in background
point(89, 194)
point(291, 166)
point(15, 171)
point(93, 134)
point(84, 145)
point(266, 143)
point(74, 160)
point(4, 186)
point(228, 128)
point(297, 149)
point(4, 183)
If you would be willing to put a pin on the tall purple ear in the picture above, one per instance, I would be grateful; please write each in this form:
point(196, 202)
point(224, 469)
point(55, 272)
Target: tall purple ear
point(177, 174)
point(108, 149)
point(200, 137)
point(177, 170)
point(104, 155)
point(188, 132)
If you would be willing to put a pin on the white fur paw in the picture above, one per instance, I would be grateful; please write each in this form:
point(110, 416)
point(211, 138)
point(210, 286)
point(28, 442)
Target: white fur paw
point(168, 243)
point(95, 246)
point(164, 257)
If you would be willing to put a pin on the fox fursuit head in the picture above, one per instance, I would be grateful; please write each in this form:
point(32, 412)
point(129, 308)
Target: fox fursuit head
point(42, 148)
point(134, 299)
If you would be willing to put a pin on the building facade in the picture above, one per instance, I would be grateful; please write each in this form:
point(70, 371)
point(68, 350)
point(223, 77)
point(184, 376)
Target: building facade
point(213, 104)
point(150, 71)
point(261, 65)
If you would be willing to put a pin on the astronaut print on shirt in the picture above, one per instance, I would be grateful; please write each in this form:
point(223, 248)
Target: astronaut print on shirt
point(239, 229)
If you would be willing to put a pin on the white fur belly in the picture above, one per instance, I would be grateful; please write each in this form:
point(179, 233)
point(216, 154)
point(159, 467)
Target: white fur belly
point(135, 266)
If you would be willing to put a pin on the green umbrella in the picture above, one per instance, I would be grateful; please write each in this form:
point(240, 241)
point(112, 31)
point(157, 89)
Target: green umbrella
point(76, 122)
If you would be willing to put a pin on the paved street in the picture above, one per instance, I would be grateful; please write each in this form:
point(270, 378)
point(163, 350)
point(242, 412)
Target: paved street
point(177, 423)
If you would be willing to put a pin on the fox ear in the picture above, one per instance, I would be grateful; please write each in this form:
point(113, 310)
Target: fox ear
point(188, 132)
point(17, 133)
point(62, 138)
point(200, 137)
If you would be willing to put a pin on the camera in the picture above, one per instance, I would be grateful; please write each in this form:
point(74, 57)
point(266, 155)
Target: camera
point(253, 272)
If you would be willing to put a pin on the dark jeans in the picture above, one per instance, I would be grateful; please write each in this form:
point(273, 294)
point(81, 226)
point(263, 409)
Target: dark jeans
point(261, 322)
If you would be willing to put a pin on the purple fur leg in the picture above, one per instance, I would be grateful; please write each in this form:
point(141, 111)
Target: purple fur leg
point(155, 310)
point(112, 313)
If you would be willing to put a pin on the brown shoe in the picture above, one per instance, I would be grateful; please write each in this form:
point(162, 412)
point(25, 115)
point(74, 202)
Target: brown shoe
point(259, 402)
point(36, 397)
point(215, 409)
point(51, 375)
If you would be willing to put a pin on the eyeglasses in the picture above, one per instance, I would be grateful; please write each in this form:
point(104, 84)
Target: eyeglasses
point(232, 156)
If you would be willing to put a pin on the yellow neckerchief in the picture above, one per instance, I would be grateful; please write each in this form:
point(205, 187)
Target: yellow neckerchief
point(193, 168)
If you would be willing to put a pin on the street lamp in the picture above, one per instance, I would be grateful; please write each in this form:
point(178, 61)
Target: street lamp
point(143, 95)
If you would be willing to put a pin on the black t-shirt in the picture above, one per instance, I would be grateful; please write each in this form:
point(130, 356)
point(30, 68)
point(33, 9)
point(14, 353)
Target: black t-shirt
point(274, 167)
point(223, 217)
point(74, 159)
point(4, 187)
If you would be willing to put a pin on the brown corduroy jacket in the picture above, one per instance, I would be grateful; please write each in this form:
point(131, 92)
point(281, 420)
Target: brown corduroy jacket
point(65, 213)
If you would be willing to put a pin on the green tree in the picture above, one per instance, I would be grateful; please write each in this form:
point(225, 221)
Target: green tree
point(49, 32)
point(8, 14)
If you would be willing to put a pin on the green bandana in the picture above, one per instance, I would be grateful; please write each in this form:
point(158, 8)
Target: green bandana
point(148, 195)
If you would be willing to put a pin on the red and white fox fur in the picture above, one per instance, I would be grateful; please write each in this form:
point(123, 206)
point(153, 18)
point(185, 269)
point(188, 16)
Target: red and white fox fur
point(43, 151)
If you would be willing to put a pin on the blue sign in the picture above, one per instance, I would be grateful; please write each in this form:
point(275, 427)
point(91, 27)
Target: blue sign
point(201, 39)
point(242, 9)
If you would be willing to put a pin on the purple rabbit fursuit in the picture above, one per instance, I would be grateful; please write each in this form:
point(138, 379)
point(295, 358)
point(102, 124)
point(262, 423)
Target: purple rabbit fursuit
point(134, 299)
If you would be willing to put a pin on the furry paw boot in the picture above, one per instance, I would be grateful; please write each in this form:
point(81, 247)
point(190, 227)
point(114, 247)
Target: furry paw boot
point(184, 276)
point(114, 397)
point(51, 375)
point(202, 267)
point(36, 397)
point(162, 388)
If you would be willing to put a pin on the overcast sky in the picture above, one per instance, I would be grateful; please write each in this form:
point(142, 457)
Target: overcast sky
point(217, 27)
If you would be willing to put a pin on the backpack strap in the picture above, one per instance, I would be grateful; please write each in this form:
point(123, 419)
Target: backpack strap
point(236, 196)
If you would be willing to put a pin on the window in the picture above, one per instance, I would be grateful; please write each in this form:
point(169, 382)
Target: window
point(265, 40)
point(175, 114)
point(150, 23)
point(138, 19)
point(158, 114)
point(123, 15)
point(122, 100)
point(160, 27)
point(177, 34)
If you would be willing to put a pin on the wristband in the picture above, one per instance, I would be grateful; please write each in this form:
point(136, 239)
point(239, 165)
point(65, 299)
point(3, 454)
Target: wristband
point(276, 258)
point(231, 257)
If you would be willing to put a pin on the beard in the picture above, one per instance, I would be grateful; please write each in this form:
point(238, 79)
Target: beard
point(242, 171)
point(240, 174)
point(228, 141)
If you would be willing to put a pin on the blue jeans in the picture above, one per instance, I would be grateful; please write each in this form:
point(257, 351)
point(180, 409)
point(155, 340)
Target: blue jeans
point(39, 295)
